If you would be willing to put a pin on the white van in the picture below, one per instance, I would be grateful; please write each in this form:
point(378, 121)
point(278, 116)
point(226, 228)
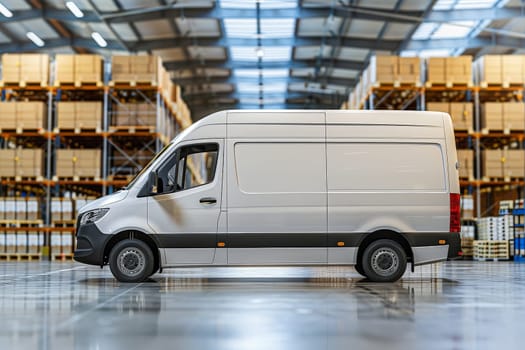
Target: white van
point(374, 189)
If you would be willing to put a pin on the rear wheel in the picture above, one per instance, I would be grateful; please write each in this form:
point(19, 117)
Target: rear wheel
point(131, 261)
point(384, 261)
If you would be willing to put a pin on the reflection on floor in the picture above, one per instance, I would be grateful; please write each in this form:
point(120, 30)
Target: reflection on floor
point(455, 305)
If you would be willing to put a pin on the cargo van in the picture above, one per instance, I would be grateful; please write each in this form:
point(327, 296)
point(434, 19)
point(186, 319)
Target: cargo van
point(374, 189)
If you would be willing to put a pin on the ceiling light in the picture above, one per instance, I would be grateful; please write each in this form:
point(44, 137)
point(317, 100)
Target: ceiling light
point(74, 9)
point(259, 52)
point(5, 11)
point(99, 39)
point(35, 39)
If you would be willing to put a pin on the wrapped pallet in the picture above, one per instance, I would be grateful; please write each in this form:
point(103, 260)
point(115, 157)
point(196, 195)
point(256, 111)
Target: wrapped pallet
point(492, 116)
point(78, 163)
point(461, 113)
point(500, 70)
point(135, 69)
point(21, 163)
point(25, 69)
point(22, 115)
point(503, 163)
point(79, 115)
point(449, 70)
point(78, 69)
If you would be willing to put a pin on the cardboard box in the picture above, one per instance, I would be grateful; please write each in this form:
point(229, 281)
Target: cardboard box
point(409, 69)
point(29, 162)
point(503, 163)
point(492, 115)
point(11, 68)
point(34, 68)
point(8, 115)
point(513, 116)
point(79, 115)
point(466, 163)
point(489, 69)
point(88, 68)
point(512, 69)
point(462, 115)
point(493, 162)
point(436, 70)
point(459, 69)
point(30, 115)
point(7, 162)
point(66, 115)
point(64, 68)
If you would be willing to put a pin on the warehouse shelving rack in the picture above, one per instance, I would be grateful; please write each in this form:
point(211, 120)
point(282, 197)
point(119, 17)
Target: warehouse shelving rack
point(416, 96)
point(50, 139)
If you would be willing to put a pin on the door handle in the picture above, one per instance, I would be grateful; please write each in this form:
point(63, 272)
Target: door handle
point(208, 200)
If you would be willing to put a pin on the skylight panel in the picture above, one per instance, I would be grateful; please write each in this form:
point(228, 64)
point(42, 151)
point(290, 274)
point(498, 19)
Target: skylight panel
point(424, 31)
point(269, 53)
point(266, 73)
point(454, 30)
point(277, 27)
point(240, 28)
point(265, 4)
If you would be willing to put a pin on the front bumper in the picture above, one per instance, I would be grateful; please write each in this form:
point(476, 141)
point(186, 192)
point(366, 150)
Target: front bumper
point(90, 245)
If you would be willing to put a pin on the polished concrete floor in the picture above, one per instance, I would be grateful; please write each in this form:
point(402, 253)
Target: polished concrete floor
point(454, 305)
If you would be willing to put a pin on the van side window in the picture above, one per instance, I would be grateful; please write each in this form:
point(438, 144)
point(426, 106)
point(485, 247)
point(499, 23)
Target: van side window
point(192, 166)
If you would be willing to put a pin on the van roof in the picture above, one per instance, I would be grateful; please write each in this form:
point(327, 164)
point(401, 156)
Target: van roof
point(290, 116)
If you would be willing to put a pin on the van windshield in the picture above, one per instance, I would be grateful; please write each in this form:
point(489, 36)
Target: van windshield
point(134, 180)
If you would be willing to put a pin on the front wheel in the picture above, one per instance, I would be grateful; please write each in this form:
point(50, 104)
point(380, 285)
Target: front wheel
point(384, 261)
point(131, 261)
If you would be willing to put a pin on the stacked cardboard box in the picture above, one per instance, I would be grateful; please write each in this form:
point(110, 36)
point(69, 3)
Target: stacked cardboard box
point(78, 69)
point(79, 115)
point(495, 228)
point(461, 113)
point(141, 69)
point(25, 68)
point(22, 115)
point(21, 163)
point(466, 163)
point(500, 69)
point(503, 116)
point(19, 208)
point(467, 206)
point(393, 69)
point(78, 163)
point(449, 70)
point(503, 163)
point(134, 114)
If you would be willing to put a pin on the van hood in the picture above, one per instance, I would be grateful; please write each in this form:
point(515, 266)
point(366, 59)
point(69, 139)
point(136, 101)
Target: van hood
point(103, 202)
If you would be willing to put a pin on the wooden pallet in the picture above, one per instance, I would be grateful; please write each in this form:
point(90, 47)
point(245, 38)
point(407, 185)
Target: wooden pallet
point(395, 84)
point(133, 128)
point(76, 178)
point(40, 131)
point(449, 84)
point(64, 223)
point(22, 178)
point(20, 256)
point(510, 132)
point(78, 84)
point(132, 83)
point(62, 257)
point(21, 223)
point(22, 84)
point(80, 130)
point(502, 85)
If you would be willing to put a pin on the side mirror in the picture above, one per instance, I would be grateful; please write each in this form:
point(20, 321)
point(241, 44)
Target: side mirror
point(153, 180)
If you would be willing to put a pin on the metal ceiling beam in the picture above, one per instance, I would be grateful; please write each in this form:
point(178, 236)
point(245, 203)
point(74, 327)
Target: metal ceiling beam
point(216, 12)
point(190, 96)
point(201, 80)
point(477, 42)
point(219, 13)
point(227, 64)
point(354, 42)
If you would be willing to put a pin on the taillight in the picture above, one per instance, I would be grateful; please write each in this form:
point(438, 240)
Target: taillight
point(455, 221)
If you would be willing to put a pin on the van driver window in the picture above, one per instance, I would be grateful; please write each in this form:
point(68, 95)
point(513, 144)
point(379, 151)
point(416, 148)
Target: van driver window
point(191, 166)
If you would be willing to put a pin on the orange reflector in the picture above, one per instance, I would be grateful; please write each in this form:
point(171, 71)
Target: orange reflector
point(221, 244)
point(340, 244)
point(442, 241)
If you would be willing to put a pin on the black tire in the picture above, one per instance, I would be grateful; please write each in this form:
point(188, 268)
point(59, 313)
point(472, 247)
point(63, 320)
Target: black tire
point(384, 261)
point(131, 261)
point(359, 269)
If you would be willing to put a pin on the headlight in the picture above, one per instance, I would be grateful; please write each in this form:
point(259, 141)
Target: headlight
point(93, 215)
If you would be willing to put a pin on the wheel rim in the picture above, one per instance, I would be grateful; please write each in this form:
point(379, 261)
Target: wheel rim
point(385, 261)
point(131, 261)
